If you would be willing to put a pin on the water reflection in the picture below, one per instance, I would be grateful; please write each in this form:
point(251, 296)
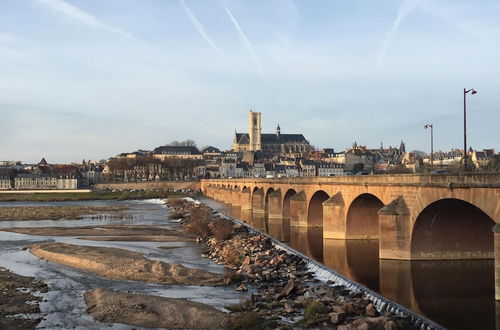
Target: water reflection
point(457, 294)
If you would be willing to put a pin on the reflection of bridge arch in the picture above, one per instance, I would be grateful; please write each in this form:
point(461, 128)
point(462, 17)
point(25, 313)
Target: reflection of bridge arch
point(362, 217)
point(452, 229)
point(286, 203)
point(315, 209)
point(266, 199)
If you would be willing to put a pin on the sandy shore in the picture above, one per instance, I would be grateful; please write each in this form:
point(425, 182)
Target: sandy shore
point(152, 311)
point(122, 264)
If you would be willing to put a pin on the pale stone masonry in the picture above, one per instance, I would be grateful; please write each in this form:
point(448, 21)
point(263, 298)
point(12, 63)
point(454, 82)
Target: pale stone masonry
point(5, 183)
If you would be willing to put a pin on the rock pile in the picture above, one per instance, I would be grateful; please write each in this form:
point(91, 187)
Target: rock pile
point(283, 292)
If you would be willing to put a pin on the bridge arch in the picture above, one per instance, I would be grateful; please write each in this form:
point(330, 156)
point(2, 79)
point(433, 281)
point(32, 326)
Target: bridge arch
point(286, 203)
point(315, 209)
point(452, 228)
point(362, 217)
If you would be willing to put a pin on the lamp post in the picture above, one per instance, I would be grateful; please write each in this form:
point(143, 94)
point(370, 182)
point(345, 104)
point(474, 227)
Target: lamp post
point(466, 91)
point(426, 126)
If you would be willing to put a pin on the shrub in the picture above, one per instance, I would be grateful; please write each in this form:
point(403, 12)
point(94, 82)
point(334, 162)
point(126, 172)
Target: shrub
point(198, 223)
point(232, 255)
point(222, 229)
point(246, 320)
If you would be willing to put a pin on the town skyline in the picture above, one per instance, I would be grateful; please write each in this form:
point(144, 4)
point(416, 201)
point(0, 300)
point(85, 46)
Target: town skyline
point(89, 79)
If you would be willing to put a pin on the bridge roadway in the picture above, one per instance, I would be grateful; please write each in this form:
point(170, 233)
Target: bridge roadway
point(414, 217)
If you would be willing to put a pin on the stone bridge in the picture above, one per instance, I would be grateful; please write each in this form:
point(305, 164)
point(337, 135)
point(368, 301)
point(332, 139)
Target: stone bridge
point(414, 217)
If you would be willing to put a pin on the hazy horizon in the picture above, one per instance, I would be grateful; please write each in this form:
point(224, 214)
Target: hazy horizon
point(92, 79)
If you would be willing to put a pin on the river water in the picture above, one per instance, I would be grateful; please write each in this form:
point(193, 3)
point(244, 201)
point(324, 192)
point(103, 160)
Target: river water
point(458, 294)
point(64, 304)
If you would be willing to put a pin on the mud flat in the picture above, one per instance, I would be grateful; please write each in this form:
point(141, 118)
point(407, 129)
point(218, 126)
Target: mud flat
point(28, 213)
point(106, 230)
point(138, 238)
point(16, 297)
point(152, 311)
point(122, 264)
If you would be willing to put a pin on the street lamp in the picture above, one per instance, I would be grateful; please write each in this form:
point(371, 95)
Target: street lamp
point(426, 126)
point(472, 91)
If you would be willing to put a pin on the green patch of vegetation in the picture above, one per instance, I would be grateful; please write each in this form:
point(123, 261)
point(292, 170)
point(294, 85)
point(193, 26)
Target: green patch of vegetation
point(93, 195)
point(314, 309)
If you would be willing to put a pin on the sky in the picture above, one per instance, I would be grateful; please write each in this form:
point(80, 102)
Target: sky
point(89, 79)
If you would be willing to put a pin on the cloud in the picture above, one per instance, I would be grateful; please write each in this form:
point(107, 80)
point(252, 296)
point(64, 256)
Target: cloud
point(197, 25)
point(246, 43)
point(83, 17)
point(406, 8)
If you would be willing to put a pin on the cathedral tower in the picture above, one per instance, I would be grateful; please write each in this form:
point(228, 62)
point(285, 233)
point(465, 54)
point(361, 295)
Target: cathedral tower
point(254, 131)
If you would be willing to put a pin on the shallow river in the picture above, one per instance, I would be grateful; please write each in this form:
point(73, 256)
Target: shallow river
point(456, 294)
point(64, 303)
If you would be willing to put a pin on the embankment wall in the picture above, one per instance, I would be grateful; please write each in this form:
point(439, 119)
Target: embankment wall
point(168, 185)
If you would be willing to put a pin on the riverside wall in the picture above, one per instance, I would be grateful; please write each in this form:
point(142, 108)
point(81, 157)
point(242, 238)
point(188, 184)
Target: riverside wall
point(147, 185)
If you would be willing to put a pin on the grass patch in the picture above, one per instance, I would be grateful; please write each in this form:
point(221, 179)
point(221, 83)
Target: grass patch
point(93, 195)
point(314, 309)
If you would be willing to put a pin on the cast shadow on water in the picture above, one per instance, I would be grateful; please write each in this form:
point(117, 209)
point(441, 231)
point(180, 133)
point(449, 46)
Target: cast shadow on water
point(458, 294)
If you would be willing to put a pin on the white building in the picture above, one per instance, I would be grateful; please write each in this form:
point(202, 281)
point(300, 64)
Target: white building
point(330, 169)
point(5, 183)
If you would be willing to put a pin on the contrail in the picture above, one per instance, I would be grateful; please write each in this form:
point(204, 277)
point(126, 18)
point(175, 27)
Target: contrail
point(197, 25)
point(83, 17)
point(404, 10)
point(246, 43)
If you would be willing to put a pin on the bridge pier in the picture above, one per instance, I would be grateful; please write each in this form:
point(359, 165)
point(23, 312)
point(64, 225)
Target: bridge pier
point(394, 229)
point(235, 197)
point(298, 210)
point(246, 199)
point(334, 218)
point(496, 230)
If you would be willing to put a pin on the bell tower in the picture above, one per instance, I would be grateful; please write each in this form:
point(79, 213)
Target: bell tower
point(254, 131)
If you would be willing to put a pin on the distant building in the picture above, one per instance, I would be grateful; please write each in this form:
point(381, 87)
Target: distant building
point(5, 183)
point(330, 169)
point(276, 143)
point(185, 152)
point(45, 181)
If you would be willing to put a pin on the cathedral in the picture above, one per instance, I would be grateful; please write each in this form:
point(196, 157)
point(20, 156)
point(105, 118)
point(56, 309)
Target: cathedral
point(254, 140)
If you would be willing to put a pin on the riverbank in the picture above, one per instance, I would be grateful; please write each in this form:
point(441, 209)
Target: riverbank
point(284, 293)
point(92, 195)
point(28, 213)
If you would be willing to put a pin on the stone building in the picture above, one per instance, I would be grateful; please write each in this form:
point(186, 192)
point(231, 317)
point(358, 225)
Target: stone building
point(5, 183)
point(184, 152)
point(276, 143)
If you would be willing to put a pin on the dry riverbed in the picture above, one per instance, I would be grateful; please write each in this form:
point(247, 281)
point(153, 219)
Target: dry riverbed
point(27, 213)
point(284, 294)
point(17, 298)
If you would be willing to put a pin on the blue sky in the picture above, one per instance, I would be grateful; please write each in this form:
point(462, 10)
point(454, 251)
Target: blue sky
point(93, 78)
